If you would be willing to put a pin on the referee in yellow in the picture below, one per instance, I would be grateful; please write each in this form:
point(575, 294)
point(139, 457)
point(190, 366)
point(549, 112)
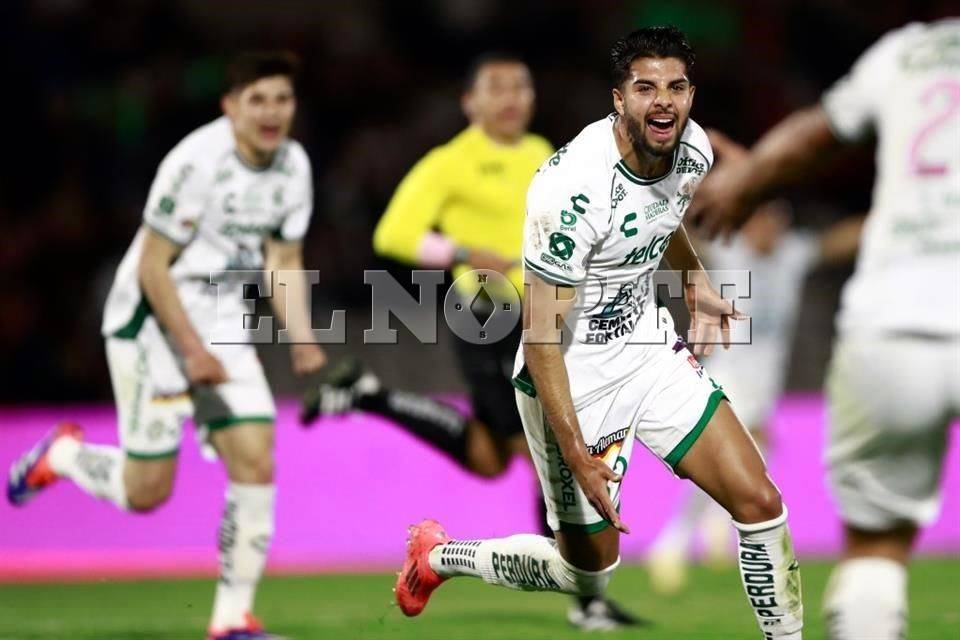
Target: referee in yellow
point(462, 207)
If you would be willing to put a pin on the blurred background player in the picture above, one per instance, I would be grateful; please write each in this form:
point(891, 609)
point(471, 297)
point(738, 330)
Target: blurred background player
point(621, 373)
point(778, 260)
point(235, 194)
point(893, 384)
point(462, 208)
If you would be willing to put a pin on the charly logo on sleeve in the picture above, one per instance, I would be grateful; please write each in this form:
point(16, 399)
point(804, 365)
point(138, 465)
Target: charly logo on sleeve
point(561, 245)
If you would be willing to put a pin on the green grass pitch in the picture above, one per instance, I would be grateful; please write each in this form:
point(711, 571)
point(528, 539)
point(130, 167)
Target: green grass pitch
point(358, 606)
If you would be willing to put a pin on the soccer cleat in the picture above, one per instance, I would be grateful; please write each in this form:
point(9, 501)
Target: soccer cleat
point(251, 630)
point(32, 473)
point(335, 395)
point(417, 580)
point(600, 614)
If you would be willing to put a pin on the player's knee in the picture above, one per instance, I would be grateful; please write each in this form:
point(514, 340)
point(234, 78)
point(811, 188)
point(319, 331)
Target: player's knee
point(487, 467)
point(256, 468)
point(591, 583)
point(760, 503)
point(146, 494)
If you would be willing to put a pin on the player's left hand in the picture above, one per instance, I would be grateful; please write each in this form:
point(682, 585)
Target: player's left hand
point(710, 315)
point(307, 358)
point(722, 202)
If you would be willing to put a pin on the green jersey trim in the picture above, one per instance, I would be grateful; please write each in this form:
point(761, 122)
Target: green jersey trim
point(634, 178)
point(132, 329)
point(152, 456)
point(232, 421)
point(702, 154)
point(524, 383)
point(552, 278)
point(675, 456)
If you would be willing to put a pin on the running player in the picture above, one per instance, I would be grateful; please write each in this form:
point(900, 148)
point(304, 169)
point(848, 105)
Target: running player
point(893, 384)
point(600, 216)
point(235, 194)
point(461, 208)
point(778, 260)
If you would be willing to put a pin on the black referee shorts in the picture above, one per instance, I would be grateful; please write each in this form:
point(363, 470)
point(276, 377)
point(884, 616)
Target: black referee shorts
point(488, 369)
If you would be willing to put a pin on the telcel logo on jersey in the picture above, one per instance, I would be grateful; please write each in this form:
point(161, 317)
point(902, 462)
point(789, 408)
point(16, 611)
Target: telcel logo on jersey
point(652, 251)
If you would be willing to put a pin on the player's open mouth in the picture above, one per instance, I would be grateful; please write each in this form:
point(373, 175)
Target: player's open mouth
point(661, 126)
point(269, 131)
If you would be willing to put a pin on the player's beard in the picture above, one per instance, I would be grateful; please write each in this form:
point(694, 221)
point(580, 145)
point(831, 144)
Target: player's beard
point(638, 140)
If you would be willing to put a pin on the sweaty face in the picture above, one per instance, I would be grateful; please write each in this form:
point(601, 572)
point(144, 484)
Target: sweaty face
point(501, 99)
point(262, 113)
point(655, 102)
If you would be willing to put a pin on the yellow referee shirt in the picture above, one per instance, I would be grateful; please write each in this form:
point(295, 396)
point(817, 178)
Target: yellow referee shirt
point(471, 189)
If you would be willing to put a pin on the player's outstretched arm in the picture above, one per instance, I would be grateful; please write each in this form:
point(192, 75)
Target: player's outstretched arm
point(790, 151)
point(544, 308)
point(710, 314)
point(285, 260)
point(154, 273)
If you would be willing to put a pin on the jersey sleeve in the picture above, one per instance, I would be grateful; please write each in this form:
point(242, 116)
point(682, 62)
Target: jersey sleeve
point(178, 197)
point(296, 218)
point(414, 209)
point(852, 103)
point(562, 227)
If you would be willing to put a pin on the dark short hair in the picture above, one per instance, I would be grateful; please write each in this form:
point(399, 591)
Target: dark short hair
point(250, 66)
point(489, 57)
point(648, 42)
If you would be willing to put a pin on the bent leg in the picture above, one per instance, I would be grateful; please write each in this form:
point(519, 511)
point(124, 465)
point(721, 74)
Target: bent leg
point(726, 464)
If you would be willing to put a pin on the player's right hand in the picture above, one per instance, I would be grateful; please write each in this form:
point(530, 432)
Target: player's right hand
point(593, 475)
point(483, 259)
point(204, 369)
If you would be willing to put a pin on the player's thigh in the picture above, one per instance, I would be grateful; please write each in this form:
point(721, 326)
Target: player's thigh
point(150, 394)
point(237, 417)
point(569, 514)
point(889, 406)
point(726, 463)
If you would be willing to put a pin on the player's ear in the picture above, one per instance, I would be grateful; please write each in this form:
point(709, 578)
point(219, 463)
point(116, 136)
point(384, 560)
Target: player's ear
point(227, 104)
point(618, 100)
point(466, 103)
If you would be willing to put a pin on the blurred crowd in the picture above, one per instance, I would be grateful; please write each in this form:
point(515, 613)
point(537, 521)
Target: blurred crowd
point(104, 89)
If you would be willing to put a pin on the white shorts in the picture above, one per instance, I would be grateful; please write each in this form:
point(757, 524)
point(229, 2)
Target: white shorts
point(665, 405)
point(154, 398)
point(891, 400)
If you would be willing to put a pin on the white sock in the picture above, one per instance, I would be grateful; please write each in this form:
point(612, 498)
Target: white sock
point(677, 534)
point(866, 598)
point(97, 469)
point(525, 562)
point(245, 533)
point(771, 577)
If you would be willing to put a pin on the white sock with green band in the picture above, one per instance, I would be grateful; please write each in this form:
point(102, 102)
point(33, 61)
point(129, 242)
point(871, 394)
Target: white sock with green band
point(525, 561)
point(771, 577)
point(95, 468)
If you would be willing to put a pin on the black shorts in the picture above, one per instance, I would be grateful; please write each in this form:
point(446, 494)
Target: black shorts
point(488, 369)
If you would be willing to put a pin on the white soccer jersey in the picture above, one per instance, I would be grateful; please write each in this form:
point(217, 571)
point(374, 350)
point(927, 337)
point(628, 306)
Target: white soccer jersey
point(220, 210)
point(906, 89)
point(592, 223)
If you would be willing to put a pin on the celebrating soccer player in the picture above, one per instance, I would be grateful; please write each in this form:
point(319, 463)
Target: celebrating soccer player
point(893, 384)
point(601, 214)
point(461, 208)
point(236, 194)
